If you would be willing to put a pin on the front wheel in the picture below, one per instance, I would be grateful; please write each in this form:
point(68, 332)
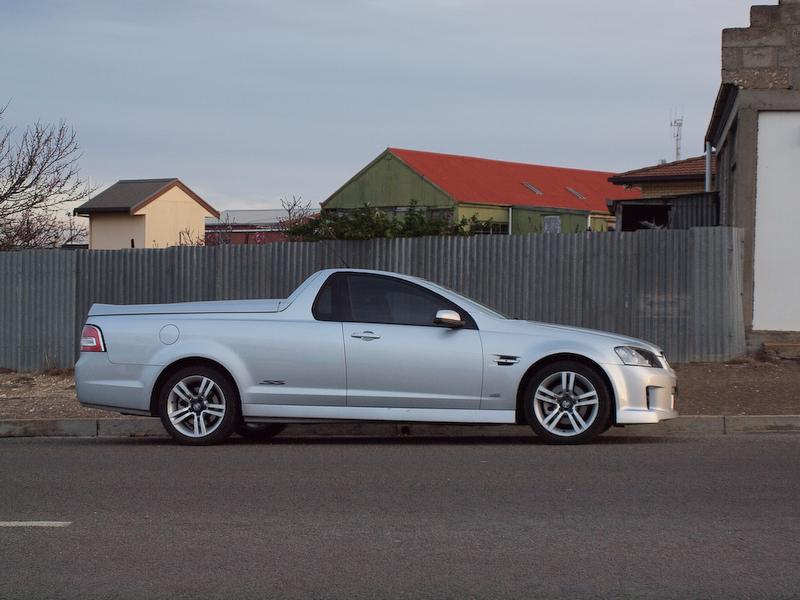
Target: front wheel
point(198, 405)
point(567, 402)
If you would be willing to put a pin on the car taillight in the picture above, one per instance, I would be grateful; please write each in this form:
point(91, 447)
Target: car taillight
point(92, 339)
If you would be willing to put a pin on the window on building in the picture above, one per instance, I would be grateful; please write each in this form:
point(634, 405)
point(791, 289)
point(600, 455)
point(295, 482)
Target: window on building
point(490, 228)
point(552, 224)
point(442, 214)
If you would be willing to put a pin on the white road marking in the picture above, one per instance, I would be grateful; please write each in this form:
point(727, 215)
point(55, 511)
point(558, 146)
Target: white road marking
point(35, 523)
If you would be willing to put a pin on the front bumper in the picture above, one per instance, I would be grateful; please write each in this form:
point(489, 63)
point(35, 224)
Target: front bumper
point(644, 394)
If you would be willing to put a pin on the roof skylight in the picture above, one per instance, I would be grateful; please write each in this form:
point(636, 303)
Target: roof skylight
point(533, 188)
point(576, 193)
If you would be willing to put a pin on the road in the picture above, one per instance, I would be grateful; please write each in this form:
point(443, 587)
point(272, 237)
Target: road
point(712, 517)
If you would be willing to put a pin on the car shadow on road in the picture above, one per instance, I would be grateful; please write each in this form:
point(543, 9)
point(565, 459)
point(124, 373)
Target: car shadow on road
point(353, 440)
point(452, 440)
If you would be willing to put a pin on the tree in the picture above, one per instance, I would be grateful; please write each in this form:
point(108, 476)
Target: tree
point(40, 229)
point(222, 233)
point(188, 237)
point(38, 175)
point(297, 211)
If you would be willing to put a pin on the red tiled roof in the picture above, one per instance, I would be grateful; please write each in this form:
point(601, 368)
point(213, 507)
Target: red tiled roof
point(679, 170)
point(484, 181)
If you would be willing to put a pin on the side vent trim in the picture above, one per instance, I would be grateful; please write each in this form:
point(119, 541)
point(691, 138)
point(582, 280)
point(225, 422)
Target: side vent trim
point(505, 360)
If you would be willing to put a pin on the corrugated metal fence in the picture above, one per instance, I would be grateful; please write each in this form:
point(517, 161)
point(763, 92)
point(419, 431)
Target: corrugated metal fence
point(680, 289)
point(696, 210)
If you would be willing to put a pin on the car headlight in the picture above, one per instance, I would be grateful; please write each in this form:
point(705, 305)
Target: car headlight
point(637, 357)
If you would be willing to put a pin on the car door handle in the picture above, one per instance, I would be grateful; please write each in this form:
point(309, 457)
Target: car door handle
point(366, 335)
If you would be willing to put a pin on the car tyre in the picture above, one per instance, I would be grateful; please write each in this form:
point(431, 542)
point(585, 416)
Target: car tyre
point(199, 405)
point(567, 402)
point(259, 432)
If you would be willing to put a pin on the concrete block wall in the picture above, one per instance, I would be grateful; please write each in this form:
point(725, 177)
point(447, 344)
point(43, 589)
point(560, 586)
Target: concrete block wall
point(765, 55)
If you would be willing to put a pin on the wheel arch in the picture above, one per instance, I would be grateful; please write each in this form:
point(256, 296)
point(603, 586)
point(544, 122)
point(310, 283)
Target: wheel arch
point(185, 362)
point(552, 358)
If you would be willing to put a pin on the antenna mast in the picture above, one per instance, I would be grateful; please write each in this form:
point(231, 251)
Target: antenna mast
point(677, 133)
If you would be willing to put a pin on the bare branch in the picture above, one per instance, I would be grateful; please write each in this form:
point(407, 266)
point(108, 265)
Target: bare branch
point(37, 229)
point(221, 234)
point(188, 237)
point(297, 211)
point(38, 173)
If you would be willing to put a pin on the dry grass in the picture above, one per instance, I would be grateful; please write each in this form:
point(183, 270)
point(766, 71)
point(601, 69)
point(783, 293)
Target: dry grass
point(45, 395)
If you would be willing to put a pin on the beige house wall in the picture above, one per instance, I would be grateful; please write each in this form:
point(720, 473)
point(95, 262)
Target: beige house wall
point(171, 214)
point(159, 224)
point(113, 231)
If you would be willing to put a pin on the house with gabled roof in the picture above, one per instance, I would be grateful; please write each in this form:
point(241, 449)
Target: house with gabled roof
point(675, 195)
point(686, 176)
point(512, 197)
point(145, 213)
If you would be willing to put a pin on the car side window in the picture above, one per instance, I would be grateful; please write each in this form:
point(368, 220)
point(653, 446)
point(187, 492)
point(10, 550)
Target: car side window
point(324, 308)
point(377, 299)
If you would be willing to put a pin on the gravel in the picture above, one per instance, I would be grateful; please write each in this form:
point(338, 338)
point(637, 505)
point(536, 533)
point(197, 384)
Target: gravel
point(48, 395)
point(743, 387)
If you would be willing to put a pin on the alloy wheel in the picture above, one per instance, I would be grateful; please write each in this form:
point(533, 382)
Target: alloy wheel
point(566, 403)
point(196, 406)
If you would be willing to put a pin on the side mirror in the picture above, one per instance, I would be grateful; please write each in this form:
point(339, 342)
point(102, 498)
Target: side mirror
point(448, 318)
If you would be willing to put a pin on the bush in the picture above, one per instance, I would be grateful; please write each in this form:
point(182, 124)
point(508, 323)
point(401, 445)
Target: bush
point(368, 222)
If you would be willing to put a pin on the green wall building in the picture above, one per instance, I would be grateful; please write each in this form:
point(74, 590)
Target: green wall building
point(524, 198)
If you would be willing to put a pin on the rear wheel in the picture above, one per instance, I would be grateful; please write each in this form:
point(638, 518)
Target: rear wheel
point(261, 432)
point(198, 405)
point(567, 402)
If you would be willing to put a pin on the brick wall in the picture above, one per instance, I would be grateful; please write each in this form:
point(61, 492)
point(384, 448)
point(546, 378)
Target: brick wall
point(671, 188)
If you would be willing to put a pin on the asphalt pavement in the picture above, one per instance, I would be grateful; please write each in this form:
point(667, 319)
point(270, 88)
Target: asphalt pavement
point(626, 517)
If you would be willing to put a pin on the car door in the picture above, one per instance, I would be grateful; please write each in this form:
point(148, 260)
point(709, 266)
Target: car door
point(298, 362)
point(396, 356)
point(305, 368)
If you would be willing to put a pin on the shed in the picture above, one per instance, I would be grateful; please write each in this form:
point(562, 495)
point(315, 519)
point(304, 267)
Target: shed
point(145, 213)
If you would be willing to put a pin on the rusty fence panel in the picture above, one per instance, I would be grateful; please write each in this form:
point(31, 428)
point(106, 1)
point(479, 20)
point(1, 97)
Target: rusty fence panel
point(678, 288)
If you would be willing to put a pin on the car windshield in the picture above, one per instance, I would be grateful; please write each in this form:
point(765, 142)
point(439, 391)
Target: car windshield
point(470, 303)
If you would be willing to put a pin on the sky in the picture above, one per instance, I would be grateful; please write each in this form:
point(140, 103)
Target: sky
point(249, 101)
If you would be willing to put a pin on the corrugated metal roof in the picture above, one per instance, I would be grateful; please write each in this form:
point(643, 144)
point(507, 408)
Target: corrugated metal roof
point(269, 216)
point(485, 181)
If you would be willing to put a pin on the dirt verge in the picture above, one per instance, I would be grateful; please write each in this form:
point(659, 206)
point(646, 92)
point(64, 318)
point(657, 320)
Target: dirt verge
point(743, 387)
